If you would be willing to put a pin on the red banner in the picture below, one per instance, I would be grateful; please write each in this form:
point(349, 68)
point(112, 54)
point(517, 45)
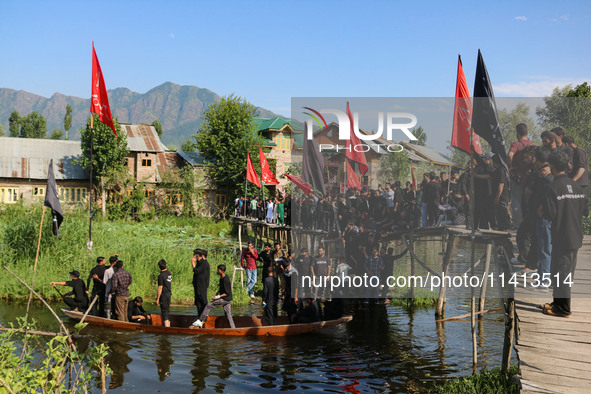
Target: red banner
point(460, 136)
point(352, 178)
point(299, 183)
point(251, 174)
point(99, 101)
point(266, 173)
point(351, 143)
point(412, 175)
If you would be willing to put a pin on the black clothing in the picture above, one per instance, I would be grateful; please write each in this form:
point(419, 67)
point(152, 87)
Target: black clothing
point(201, 284)
point(303, 265)
point(565, 204)
point(321, 266)
point(98, 289)
point(334, 309)
point(225, 288)
point(266, 258)
point(500, 176)
point(311, 313)
point(564, 263)
point(165, 280)
point(134, 310)
point(580, 161)
point(270, 297)
point(80, 300)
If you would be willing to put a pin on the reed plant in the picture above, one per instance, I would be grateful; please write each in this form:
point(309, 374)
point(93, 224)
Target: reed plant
point(140, 245)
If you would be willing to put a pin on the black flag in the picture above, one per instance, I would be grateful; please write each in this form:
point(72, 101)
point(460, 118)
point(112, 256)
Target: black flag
point(485, 121)
point(52, 200)
point(313, 165)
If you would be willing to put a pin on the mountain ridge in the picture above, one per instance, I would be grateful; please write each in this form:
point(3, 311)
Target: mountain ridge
point(177, 107)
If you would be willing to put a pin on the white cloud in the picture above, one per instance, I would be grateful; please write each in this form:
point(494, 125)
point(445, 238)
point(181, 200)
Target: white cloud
point(535, 88)
point(171, 35)
point(521, 18)
point(562, 18)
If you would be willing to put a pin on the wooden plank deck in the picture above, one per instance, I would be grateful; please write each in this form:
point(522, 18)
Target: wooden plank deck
point(555, 353)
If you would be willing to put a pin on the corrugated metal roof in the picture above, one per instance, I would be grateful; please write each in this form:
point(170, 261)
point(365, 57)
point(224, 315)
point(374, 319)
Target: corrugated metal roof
point(276, 123)
point(29, 158)
point(143, 138)
point(430, 154)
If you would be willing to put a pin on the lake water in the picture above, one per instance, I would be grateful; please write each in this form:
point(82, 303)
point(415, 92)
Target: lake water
point(384, 348)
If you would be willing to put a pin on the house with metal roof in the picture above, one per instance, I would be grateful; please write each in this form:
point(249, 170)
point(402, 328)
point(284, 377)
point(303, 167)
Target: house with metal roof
point(279, 134)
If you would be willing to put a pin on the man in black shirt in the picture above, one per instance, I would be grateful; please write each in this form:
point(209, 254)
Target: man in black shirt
point(502, 199)
point(303, 263)
point(223, 298)
point(270, 295)
point(80, 300)
point(579, 172)
point(200, 279)
point(266, 258)
point(135, 311)
point(291, 300)
point(164, 292)
point(320, 268)
point(565, 205)
point(98, 287)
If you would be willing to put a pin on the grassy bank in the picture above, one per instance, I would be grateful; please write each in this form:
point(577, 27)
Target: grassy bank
point(486, 381)
point(139, 244)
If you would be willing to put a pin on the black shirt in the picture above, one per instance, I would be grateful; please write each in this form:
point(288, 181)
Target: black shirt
point(225, 288)
point(500, 176)
point(165, 280)
point(321, 265)
point(580, 161)
point(265, 257)
point(98, 284)
point(303, 264)
point(565, 204)
point(201, 276)
point(78, 288)
point(270, 290)
point(134, 310)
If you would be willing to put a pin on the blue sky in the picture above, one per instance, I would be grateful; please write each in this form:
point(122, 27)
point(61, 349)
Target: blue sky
point(268, 51)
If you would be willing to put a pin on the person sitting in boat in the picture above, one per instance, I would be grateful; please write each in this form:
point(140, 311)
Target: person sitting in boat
point(80, 299)
point(223, 298)
point(135, 311)
point(311, 313)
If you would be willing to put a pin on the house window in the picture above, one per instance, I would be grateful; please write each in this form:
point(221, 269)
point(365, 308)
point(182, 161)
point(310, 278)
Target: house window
point(146, 162)
point(126, 162)
point(72, 194)
point(8, 195)
point(149, 193)
point(38, 191)
point(283, 143)
point(174, 199)
point(220, 200)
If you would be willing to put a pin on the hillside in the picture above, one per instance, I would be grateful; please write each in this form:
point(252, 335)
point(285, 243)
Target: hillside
point(177, 107)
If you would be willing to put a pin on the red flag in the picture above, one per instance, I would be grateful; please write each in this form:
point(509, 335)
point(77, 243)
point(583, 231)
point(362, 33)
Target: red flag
point(412, 175)
point(301, 184)
point(99, 101)
point(460, 136)
point(352, 178)
point(350, 153)
point(251, 174)
point(266, 173)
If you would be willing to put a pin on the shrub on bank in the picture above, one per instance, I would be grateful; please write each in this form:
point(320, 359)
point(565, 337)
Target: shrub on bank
point(486, 381)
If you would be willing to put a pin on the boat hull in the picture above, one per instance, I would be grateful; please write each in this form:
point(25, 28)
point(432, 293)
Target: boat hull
point(215, 325)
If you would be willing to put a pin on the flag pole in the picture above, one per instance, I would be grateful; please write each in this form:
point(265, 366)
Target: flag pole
point(245, 187)
point(89, 244)
point(471, 195)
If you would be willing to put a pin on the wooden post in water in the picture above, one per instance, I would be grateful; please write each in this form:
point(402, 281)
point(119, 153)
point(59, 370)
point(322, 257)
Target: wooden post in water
point(509, 333)
point(440, 311)
point(473, 306)
point(485, 277)
point(412, 266)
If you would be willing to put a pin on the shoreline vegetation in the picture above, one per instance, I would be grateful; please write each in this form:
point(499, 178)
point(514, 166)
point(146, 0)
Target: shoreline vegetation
point(485, 381)
point(140, 246)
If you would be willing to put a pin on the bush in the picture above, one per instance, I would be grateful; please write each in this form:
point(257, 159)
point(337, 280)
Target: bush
point(486, 381)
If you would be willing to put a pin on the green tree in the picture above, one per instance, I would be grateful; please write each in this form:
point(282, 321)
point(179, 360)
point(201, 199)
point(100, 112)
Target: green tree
point(68, 119)
point(33, 125)
point(158, 126)
point(228, 132)
point(2, 131)
point(570, 109)
point(393, 167)
point(57, 134)
point(188, 146)
point(508, 120)
point(419, 132)
point(14, 124)
point(108, 151)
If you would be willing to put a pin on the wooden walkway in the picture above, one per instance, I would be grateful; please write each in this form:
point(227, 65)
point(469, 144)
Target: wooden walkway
point(555, 353)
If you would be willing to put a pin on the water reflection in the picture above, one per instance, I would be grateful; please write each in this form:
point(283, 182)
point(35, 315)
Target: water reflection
point(385, 348)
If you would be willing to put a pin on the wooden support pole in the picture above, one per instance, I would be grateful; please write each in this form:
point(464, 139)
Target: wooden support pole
point(473, 307)
point(509, 334)
point(485, 277)
point(440, 311)
point(412, 267)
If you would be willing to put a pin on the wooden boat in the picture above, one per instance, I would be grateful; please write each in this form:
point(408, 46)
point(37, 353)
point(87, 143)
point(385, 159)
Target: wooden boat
point(215, 325)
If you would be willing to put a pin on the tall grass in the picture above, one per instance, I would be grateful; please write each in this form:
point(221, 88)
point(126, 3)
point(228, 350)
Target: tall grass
point(486, 381)
point(140, 246)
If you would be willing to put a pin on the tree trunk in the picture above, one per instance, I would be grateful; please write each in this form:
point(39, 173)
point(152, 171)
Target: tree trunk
point(103, 199)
